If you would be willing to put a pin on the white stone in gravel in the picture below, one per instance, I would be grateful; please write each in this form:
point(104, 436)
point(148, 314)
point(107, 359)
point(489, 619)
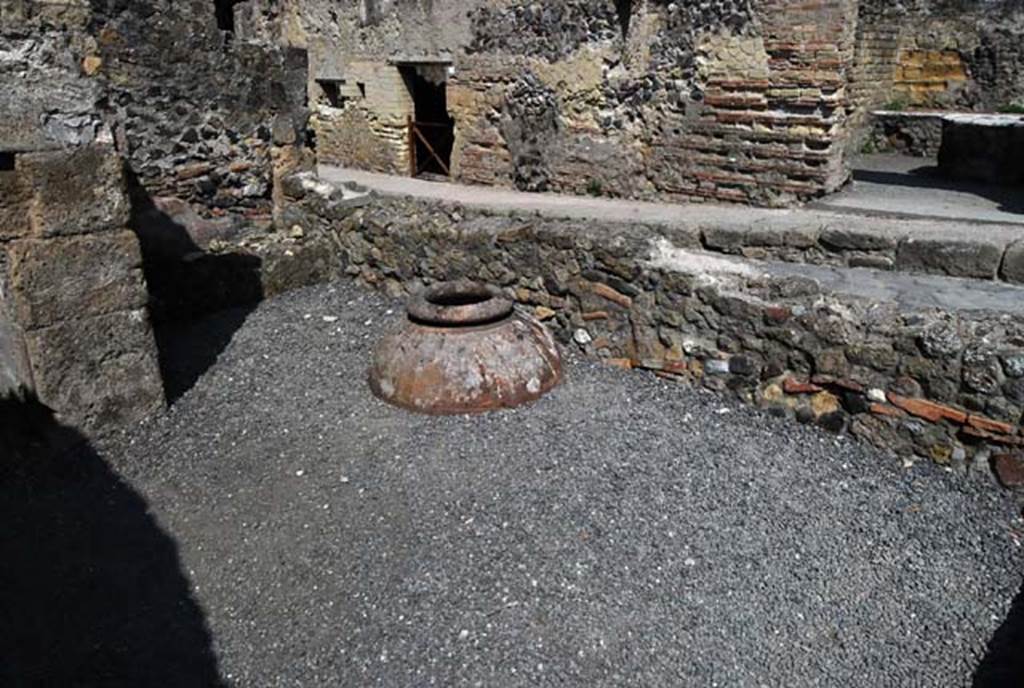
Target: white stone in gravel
point(876, 395)
point(582, 337)
point(716, 366)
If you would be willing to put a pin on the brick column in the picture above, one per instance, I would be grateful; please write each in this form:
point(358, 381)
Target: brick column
point(781, 133)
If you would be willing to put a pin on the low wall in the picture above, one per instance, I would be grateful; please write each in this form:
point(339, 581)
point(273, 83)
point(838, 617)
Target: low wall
point(946, 384)
point(910, 133)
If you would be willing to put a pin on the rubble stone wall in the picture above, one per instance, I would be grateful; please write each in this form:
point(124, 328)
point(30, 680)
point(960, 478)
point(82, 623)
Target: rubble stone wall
point(110, 109)
point(917, 134)
point(919, 381)
point(739, 100)
point(959, 54)
point(201, 115)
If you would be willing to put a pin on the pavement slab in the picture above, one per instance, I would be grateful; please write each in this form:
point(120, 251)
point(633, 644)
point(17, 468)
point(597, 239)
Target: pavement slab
point(902, 186)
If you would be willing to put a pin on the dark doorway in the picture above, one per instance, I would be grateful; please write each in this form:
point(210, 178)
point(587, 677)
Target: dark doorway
point(624, 8)
point(432, 131)
point(225, 13)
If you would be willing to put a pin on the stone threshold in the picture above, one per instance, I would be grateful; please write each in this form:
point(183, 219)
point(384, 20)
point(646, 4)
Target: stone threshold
point(976, 250)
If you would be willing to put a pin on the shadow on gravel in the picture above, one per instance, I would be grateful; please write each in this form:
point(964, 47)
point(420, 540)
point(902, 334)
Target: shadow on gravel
point(1009, 198)
point(91, 589)
point(188, 349)
point(188, 282)
point(1003, 665)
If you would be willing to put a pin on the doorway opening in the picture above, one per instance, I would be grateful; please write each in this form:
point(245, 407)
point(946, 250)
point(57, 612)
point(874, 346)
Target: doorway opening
point(431, 128)
point(224, 11)
point(624, 8)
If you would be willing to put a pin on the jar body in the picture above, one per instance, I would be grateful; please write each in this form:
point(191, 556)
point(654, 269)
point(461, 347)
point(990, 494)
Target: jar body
point(466, 369)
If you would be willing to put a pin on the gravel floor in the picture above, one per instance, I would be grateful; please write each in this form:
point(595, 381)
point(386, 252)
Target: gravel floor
point(622, 531)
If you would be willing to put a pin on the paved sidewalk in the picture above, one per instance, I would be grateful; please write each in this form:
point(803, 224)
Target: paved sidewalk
point(900, 185)
point(865, 200)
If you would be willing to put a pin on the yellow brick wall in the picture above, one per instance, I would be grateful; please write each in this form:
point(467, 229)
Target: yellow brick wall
point(923, 77)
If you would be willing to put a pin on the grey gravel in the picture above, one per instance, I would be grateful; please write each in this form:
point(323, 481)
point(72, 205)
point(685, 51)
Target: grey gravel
point(622, 531)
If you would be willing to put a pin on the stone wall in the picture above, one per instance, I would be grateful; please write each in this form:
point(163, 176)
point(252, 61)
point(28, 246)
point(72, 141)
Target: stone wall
point(375, 134)
point(918, 134)
point(918, 380)
point(117, 120)
point(960, 54)
point(74, 328)
point(735, 100)
point(201, 115)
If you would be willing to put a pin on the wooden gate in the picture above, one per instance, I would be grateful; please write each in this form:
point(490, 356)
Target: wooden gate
point(416, 134)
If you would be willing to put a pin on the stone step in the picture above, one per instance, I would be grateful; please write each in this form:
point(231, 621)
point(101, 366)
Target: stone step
point(807, 235)
point(909, 291)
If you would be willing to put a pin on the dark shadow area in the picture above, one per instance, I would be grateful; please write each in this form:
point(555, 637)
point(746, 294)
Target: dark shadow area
point(91, 589)
point(224, 11)
point(1003, 665)
point(434, 129)
point(624, 8)
point(187, 283)
point(1010, 199)
point(187, 349)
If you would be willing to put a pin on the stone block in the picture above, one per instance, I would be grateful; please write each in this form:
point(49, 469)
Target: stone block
point(955, 257)
point(727, 239)
point(63, 278)
point(14, 205)
point(75, 192)
point(15, 372)
point(1013, 264)
point(99, 371)
point(983, 148)
point(1009, 468)
point(856, 239)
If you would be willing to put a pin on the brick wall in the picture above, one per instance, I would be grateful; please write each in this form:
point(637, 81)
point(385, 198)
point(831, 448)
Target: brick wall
point(779, 134)
point(933, 54)
point(876, 49)
point(927, 77)
point(730, 100)
point(371, 130)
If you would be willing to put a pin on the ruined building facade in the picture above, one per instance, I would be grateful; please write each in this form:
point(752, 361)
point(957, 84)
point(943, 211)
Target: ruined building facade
point(754, 101)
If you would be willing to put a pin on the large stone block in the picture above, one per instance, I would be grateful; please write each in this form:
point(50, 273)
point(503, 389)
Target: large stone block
point(97, 372)
point(64, 278)
point(986, 148)
point(1013, 264)
point(14, 201)
point(959, 258)
point(75, 192)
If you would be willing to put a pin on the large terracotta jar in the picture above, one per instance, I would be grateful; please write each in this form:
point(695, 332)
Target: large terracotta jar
point(464, 348)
